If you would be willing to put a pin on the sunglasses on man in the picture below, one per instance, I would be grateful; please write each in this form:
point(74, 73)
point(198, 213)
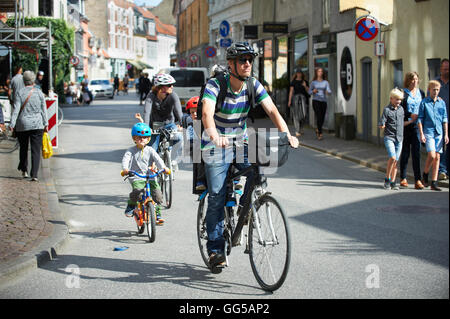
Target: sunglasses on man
point(245, 60)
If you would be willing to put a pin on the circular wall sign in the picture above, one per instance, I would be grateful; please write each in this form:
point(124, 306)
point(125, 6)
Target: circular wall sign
point(74, 60)
point(346, 73)
point(367, 29)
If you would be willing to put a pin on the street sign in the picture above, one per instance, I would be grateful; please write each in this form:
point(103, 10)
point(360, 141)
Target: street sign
point(367, 29)
point(74, 60)
point(346, 73)
point(182, 63)
point(275, 27)
point(224, 28)
point(193, 58)
point(225, 43)
point(251, 32)
point(380, 48)
point(210, 52)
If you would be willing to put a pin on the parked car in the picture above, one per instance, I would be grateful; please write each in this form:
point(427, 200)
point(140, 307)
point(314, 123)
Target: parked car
point(101, 88)
point(189, 82)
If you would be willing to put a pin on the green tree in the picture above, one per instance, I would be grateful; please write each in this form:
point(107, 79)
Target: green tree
point(62, 39)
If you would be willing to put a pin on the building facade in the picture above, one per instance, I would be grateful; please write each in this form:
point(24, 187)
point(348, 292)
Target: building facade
point(192, 32)
point(237, 14)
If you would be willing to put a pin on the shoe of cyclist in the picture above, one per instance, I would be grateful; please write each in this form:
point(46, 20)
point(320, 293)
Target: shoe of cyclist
point(217, 260)
point(159, 220)
point(200, 186)
point(129, 211)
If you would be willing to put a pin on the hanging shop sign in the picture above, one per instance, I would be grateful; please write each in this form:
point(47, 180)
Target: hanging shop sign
point(346, 73)
point(275, 27)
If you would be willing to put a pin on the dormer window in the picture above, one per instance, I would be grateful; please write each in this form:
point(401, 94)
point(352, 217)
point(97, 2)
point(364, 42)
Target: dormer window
point(151, 28)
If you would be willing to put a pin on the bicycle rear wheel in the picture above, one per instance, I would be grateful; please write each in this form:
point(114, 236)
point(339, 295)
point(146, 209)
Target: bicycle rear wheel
point(202, 234)
point(150, 222)
point(269, 244)
point(166, 187)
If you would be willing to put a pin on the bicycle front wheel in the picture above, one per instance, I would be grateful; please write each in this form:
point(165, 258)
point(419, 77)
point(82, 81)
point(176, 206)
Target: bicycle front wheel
point(269, 244)
point(202, 234)
point(167, 184)
point(151, 222)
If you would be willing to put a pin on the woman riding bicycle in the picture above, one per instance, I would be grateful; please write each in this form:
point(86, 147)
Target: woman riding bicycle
point(163, 106)
point(230, 122)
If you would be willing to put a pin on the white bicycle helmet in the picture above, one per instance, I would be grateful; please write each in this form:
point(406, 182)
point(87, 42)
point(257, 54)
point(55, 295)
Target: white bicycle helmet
point(163, 79)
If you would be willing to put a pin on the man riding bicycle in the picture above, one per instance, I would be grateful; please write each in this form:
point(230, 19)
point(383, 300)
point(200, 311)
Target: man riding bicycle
point(230, 122)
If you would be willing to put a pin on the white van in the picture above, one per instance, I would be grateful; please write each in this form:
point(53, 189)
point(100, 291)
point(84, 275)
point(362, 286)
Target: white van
point(189, 82)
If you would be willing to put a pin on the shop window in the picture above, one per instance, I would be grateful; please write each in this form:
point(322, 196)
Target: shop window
point(282, 57)
point(301, 52)
point(268, 65)
point(398, 73)
point(46, 8)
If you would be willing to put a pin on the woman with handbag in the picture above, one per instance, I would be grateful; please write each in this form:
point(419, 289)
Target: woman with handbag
point(29, 121)
point(298, 100)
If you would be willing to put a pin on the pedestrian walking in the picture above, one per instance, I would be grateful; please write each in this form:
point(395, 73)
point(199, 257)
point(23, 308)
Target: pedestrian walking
point(144, 86)
point(16, 83)
point(125, 84)
point(298, 100)
point(443, 94)
point(433, 128)
point(411, 143)
point(116, 85)
point(392, 122)
point(39, 80)
point(29, 120)
point(319, 89)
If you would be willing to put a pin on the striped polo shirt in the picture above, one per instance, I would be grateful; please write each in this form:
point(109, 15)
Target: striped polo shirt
point(231, 119)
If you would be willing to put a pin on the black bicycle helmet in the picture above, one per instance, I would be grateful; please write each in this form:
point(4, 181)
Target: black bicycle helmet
point(239, 49)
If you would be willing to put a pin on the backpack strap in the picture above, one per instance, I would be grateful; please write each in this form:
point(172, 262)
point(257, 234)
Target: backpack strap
point(251, 92)
point(223, 88)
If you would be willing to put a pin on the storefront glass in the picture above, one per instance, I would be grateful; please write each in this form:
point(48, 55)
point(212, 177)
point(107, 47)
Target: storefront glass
point(282, 58)
point(268, 64)
point(301, 52)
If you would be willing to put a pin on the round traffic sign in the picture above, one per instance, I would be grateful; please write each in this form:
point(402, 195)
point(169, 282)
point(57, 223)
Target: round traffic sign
point(367, 29)
point(210, 52)
point(193, 57)
point(74, 60)
point(182, 63)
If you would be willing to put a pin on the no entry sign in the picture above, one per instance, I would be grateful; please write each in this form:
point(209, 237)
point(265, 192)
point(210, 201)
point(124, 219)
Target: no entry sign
point(367, 29)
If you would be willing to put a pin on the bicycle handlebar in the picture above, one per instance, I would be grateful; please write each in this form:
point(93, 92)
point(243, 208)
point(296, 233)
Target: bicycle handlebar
point(134, 173)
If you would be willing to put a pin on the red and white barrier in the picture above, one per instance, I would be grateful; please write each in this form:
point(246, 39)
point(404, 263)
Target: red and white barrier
point(52, 115)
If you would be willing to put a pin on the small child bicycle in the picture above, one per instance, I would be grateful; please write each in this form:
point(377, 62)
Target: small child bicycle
point(145, 214)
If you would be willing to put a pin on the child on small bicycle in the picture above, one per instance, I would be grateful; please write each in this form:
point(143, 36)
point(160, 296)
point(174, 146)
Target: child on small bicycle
point(140, 158)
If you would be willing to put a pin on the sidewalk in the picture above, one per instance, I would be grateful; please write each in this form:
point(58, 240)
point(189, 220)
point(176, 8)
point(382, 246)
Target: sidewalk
point(32, 228)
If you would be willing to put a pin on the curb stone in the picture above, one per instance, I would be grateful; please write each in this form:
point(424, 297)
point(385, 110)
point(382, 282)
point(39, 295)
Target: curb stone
point(49, 247)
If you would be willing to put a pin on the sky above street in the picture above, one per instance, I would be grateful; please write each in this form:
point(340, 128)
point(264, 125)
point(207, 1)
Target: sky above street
point(152, 3)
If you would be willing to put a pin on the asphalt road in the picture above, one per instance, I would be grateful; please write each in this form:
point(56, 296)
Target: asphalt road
point(350, 238)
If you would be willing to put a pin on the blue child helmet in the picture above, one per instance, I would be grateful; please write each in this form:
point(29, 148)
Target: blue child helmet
point(141, 129)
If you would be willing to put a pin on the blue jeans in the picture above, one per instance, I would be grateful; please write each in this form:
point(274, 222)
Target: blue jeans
point(217, 163)
point(154, 141)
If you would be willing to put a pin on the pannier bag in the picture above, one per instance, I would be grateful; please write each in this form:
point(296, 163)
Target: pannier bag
point(268, 148)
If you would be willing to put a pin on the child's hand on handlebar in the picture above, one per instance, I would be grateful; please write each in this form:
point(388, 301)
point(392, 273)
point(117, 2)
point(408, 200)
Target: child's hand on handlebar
point(153, 168)
point(124, 172)
point(167, 171)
